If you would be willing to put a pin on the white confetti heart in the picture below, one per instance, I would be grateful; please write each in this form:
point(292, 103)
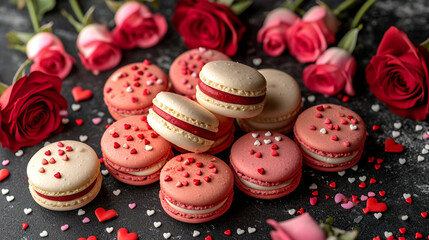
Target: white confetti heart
point(425, 151)
point(323, 130)
point(402, 161)
point(101, 114)
point(83, 138)
point(65, 121)
point(257, 143)
point(195, 233)
point(267, 141)
point(117, 192)
point(427, 146)
point(378, 215)
point(255, 135)
point(419, 128)
point(240, 231)
point(362, 179)
point(397, 125)
point(80, 212)
point(387, 234)
point(148, 147)
point(104, 172)
point(351, 179)
point(395, 134)
point(353, 127)
point(166, 235)
point(27, 210)
point(291, 211)
point(150, 212)
point(404, 217)
point(278, 138)
point(157, 224)
point(43, 234)
point(4, 191)
point(19, 153)
point(256, 61)
point(75, 107)
point(109, 120)
point(251, 230)
point(406, 195)
point(341, 173)
point(313, 186)
point(10, 198)
point(109, 229)
point(311, 98)
point(375, 107)
point(420, 158)
point(46, 143)
point(268, 134)
point(354, 168)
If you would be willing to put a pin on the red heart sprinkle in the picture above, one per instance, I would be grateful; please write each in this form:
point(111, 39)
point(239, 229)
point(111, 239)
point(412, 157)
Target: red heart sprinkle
point(116, 145)
point(65, 158)
point(60, 144)
point(258, 155)
point(315, 193)
point(327, 121)
point(371, 159)
point(365, 210)
point(312, 127)
point(167, 178)
point(274, 147)
point(44, 162)
point(191, 160)
point(336, 127)
point(24, 225)
point(69, 148)
point(198, 172)
point(61, 152)
point(101, 160)
point(48, 153)
point(402, 230)
point(115, 135)
point(375, 127)
point(124, 235)
point(196, 182)
point(41, 170)
point(424, 214)
point(127, 126)
point(349, 117)
point(330, 126)
point(251, 151)
point(418, 235)
point(146, 142)
point(377, 166)
point(354, 198)
point(391, 146)
point(409, 200)
point(346, 99)
point(334, 138)
point(145, 92)
point(146, 62)
point(211, 165)
point(141, 136)
point(318, 115)
point(57, 175)
point(185, 183)
point(52, 160)
point(346, 143)
point(213, 170)
point(207, 179)
point(274, 153)
point(130, 138)
point(178, 158)
point(372, 205)
point(382, 193)
point(208, 238)
point(103, 215)
point(153, 135)
point(79, 122)
point(227, 232)
point(81, 95)
point(199, 164)
point(261, 171)
point(362, 185)
point(319, 108)
point(354, 120)
point(372, 181)
point(108, 90)
point(185, 174)
point(136, 84)
point(133, 99)
point(133, 151)
point(332, 184)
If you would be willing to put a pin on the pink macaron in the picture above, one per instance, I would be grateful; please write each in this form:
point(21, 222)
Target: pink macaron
point(133, 153)
point(196, 188)
point(266, 164)
point(130, 89)
point(185, 69)
point(331, 137)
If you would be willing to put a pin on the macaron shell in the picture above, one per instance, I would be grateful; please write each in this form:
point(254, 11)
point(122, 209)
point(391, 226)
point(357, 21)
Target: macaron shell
point(185, 69)
point(282, 126)
point(81, 165)
point(206, 193)
point(310, 122)
point(277, 169)
point(133, 87)
point(123, 143)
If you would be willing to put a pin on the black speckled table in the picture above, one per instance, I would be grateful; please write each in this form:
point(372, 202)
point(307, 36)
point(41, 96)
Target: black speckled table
point(396, 177)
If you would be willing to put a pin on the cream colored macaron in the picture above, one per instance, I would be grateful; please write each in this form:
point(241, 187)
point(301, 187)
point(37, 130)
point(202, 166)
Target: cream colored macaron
point(231, 89)
point(183, 122)
point(64, 175)
point(283, 103)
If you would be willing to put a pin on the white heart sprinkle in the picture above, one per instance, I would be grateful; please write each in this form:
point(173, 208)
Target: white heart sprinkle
point(80, 212)
point(341, 173)
point(404, 217)
point(353, 127)
point(395, 134)
point(109, 229)
point(311, 98)
point(166, 235)
point(406, 195)
point(150, 212)
point(425, 151)
point(351, 179)
point(255, 135)
point(257, 143)
point(354, 168)
point(397, 125)
point(195, 233)
point(117, 192)
point(129, 89)
point(109, 120)
point(387, 234)
point(27, 210)
point(313, 186)
point(375, 107)
point(268, 134)
point(148, 147)
point(75, 107)
point(427, 146)
point(323, 130)
point(402, 161)
point(240, 231)
point(4, 191)
point(362, 179)
point(419, 128)
point(251, 230)
point(378, 215)
point(256, 61)
point(19, 153)
point(10, 198)
point(157, 224)
point(267, 141)
point(104, 172)
point(65, 121)
point(420, 158)
point(278, 138)
point(43, 234)
point(291, 211)
point(83, 138)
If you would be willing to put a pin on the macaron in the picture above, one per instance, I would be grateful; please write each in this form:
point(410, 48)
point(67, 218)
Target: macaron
point(64, 175)
point(130, 89)
point(183, 122)
point(331, 137)
point(282, 105)
point(266, 165)
point(132, 152)
point(185, 69)
point(231, 89)
point(196, 188)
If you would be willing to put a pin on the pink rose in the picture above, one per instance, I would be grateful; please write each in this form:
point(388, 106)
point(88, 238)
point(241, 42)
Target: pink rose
point(273, 32)
point(333, 72)
point(136, 26)
point(49, 55)
point(309, 37)
point(302, 227)
point(96, 48)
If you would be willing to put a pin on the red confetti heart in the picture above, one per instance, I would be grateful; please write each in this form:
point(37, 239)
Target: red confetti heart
point(261, 171)
point(333, 185)
point(124, 235)
point(382, 193)
point(402, 230)
point(355, 199)
point(409, 200)
point(376, 238)
point(418, 235)
point(391, 146)
point(377, 166)
point(315, 193)
point(375, 127)
point(24, 226)
point(372, 181)
point(362, 185)
point(346, 99)
point(3, 174)
point(401, 238)
point(424, 214)
point(372, 205)
point(227, 232)
point(301, 211)
point(379, 160)
point(81, 95)
point(390, 238)
point(79, 122)
point(104, 215)
point(371, 159)
point(89, 238)
point(208, 238)
point(326, 197)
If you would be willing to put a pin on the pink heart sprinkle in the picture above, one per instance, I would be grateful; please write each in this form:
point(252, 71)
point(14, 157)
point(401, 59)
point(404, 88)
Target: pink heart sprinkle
point(363, 198)
point(63, 113)
point(347, 205)
point(313, 201)
point(132, 205)
point(86, 220)
point(371, 194)
point(96, 121)
point(425, 135)
point(339, 197)
point(64, 227)
point(5, 162)
point(159, 81)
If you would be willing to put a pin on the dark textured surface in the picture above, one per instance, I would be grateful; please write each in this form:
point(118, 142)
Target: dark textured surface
point(394, 178)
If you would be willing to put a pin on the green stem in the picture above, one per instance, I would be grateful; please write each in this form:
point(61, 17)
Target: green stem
point(77, 10)
point(296, 4)
point(361, 12)
point(3, 88)
point(21, 70)
point(32, 11)
point(344, 6)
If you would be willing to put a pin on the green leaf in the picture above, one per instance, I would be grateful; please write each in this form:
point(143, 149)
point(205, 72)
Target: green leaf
point(87, 19)
point(21, 70)
point(17, 47)
point(348, 42)
point(240, 6)
point(113, 5)
point(362, 10)
point(42, 7)
point(425, 44)
point(18, 38)
point(77, 10)
point(47, 27)
point(3, 88)
point(226, 2)
point(77, 25)
point(347, 4)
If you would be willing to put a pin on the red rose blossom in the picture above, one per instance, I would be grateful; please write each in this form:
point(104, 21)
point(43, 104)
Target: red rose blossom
point(30, 110)
point(208, 24)
point(398, 75)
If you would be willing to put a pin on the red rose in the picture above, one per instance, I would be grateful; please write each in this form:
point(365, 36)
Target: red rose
point(30, 110)
point(208, 24)
point(49, 55)
point(398, 75)
point(136, 26)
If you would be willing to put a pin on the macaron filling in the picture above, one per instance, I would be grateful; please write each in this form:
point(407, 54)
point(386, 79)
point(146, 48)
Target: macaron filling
point(192, 211)
point(227, 97)
point(200, 132)
point(331, 160)
point(153, 169)
point(264, 188)
point(68, 197)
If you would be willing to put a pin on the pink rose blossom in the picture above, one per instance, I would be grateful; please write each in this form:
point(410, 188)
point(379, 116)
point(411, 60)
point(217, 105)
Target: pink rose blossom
point(273, 32)
point(302, 227)
point(96, 48)
point(137, 26)
point(333, 72)
point(49, 55)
